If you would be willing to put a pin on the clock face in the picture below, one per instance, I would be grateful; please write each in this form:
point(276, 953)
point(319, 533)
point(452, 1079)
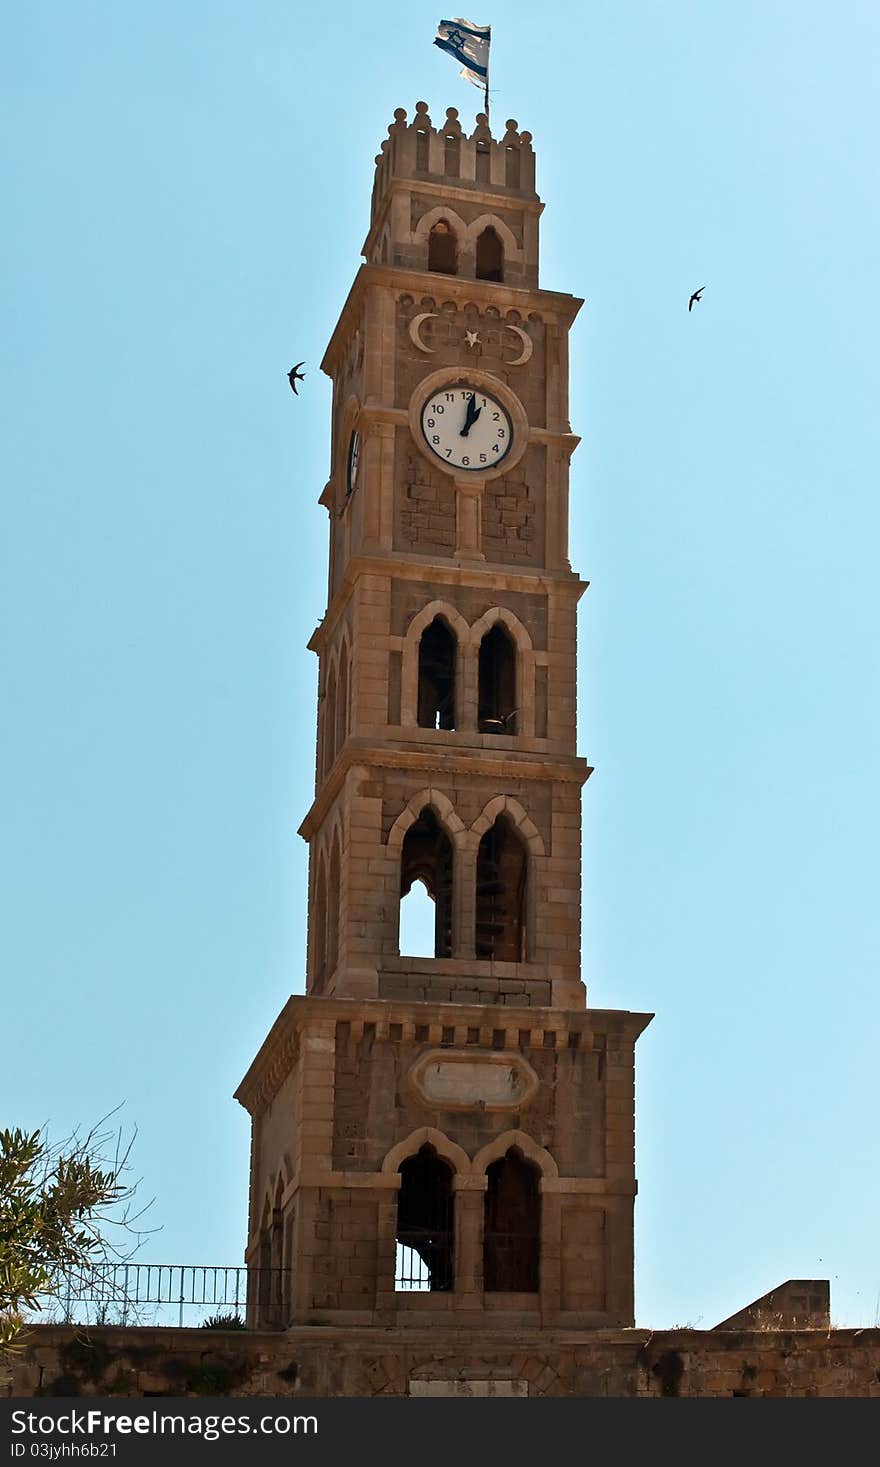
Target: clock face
point(354, 452)
point(466, 427)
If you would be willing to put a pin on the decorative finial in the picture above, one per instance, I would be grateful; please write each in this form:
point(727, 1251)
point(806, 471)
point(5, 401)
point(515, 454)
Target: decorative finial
point(482, 119)
point(421, 106)
point(511, 124)
point(400, 114)
point(452, 113)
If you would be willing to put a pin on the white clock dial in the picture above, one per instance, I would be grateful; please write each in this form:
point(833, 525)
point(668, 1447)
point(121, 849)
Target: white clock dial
point(354, 453)
point(466, 427)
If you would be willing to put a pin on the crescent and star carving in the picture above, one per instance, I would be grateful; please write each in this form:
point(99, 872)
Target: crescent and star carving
point(415, 333)
point(527, 345)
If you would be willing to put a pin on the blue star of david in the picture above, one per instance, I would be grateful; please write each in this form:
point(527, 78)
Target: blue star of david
point(456, 38)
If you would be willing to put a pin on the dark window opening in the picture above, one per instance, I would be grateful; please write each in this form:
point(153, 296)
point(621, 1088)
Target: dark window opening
point(502, 869)
point(425, 1224)
point(443, 249)
point(482, 163)
point(490, 255)
point(512, 1232)
point(319, 934)
point(422, 151)
point(497, 683)
point(427, 857)
point(332, 942)
point(511, 167)
point(342, 700)
point(437, 676)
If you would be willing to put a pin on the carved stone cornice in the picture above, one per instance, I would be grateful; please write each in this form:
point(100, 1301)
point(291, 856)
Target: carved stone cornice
point(504, 765)
point(549, 304)
point(303, 1013)
point(485, 575)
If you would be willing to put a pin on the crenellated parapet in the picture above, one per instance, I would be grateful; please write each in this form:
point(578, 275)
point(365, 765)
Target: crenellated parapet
point(419, 150)
point(429, 177)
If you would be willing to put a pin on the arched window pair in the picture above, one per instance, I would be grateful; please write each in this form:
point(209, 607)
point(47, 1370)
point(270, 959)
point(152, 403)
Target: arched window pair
point(496, 679)
point(335, 711)
point(501, 878)
point(426, 1225)
point(443, 252)
point(325, 918)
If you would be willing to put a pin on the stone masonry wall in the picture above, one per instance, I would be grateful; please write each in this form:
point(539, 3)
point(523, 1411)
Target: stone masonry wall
point(327, 1362)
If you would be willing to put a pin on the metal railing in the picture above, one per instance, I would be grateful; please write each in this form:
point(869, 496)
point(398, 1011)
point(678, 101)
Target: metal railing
point(171, 1294)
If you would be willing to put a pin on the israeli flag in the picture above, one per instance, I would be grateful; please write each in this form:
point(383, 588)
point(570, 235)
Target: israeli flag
point(469, 44)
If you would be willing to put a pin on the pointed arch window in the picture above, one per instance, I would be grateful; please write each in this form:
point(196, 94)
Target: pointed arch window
point(443, 249)
point(490, 255)
point(502, 872)
point(437, 653)
point(497, 682)
point(329, 749)
point(332, 937)
point(426, 856)
point(342, 699)
point(425, 1224)
point(319, 930)
point(512, 1225)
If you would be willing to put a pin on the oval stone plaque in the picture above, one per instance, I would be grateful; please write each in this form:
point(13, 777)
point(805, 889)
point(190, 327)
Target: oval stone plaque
point(462, 1080)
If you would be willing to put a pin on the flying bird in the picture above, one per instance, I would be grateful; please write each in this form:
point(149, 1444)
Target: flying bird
point(695, 297)
point(295, 375)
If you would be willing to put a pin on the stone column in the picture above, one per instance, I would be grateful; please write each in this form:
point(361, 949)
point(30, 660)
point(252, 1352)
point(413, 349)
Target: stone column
point(469, 1207)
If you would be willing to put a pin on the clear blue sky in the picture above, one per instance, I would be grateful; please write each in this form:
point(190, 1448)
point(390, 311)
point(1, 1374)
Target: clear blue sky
point(186, 191)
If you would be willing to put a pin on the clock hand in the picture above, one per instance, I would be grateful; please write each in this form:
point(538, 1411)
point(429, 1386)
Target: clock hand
point(473, 412)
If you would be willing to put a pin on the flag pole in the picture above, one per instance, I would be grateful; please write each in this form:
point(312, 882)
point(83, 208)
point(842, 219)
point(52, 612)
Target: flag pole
point(488, 53)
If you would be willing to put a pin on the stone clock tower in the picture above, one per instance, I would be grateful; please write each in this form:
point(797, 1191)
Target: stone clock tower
point(446, 1139)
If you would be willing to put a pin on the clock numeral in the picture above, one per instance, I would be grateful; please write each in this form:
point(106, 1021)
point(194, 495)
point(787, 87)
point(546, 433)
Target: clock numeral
point(482, 458)
point(431, 423)
point(437, 407)
point(484, 402)
point(450, 396)
point(494, 447)
point(465, 461)
point(501, 433)
point(435, 438)
point(449, 453)
point(495, 417)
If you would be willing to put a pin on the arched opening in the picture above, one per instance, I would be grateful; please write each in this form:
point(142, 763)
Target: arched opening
point(496, 695)
point(437, 650)
point(276, 1290)
point(319, 931)
point(329, 750)
point(502, 871)
point(332, 942)
point(425, 1224)
point(512, 1226)
point(426, 856)
point(443, 249)
point(490, 255)
point(417, 919)
point(264, 1264)
point(342, 699)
